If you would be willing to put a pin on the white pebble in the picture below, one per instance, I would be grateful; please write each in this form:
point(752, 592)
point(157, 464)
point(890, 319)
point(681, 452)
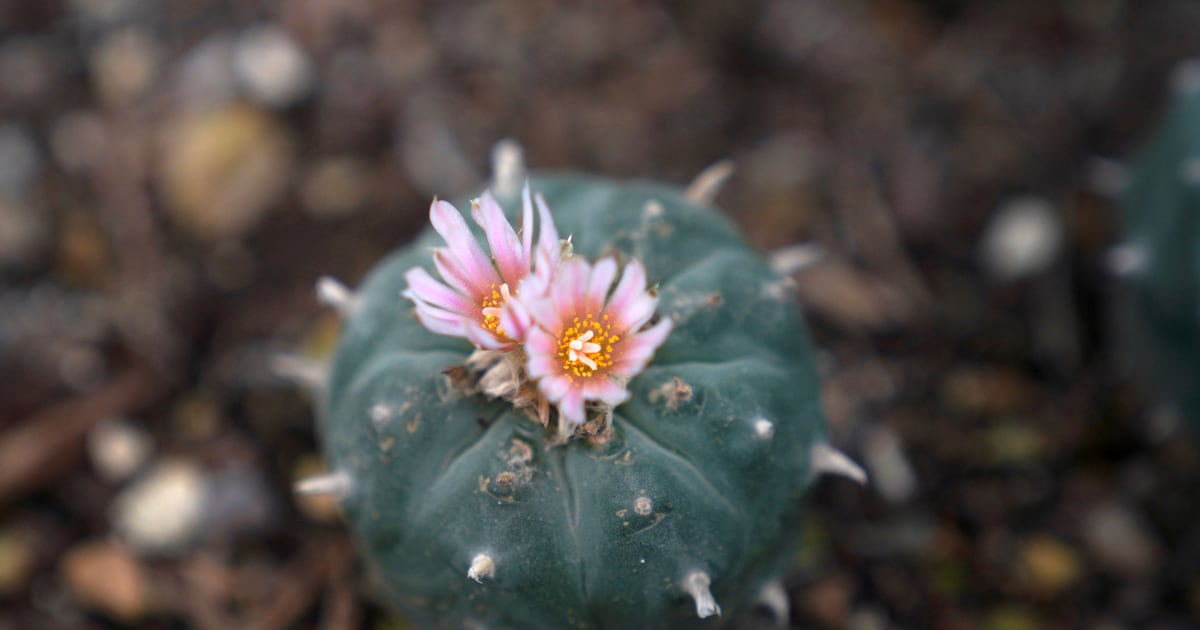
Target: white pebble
point(1022, 239)
point(161, 512)
point(118, 449)
point(272, 68)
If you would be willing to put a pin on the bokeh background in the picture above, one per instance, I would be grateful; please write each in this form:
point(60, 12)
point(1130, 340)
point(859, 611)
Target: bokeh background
point(176, 174)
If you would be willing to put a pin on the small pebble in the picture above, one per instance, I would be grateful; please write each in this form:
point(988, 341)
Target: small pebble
point(103, 575)
point(118, 449)
point(1022, 239)
point(271, 66)
point(1121, 542)
point(161, 513)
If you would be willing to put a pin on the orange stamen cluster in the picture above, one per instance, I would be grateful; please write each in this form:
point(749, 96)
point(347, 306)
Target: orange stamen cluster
point(586, 346)
point(491, 303)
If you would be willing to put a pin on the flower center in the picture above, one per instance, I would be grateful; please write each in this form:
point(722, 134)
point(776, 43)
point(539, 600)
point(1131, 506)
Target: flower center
point(587, 345)
point(491, 304)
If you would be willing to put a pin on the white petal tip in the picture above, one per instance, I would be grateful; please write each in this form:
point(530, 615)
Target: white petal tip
point(829, 460)
point(305, 372)
point(337, 296)
point(335, 484)
point(482, 567)
point(1125, 260)
point(696, 584)
point(774, 598)
point(703, 190)
point(793, 258)
point(508, 168)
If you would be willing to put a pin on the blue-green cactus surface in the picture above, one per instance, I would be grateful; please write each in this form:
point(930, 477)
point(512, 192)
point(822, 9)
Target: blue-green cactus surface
point(1161, 211)
point(701, 479)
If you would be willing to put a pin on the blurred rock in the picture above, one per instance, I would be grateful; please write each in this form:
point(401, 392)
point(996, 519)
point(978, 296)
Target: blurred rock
point(238, 502)
point(104, 11)
point(103, 575)
point(204, 78)
point(828, 600)
point(78, 139)
point(161, 513)
point(1014, 443)
point(20, 162)
point(1121, 542)
point(16, 560)
point(891, 473)
point(1023, 238)
point(124, 65)
point(224, 170)
point(118, 449)
point(336, 187)
point(271, 66)
point(23, 234)
point(1047, 566)
point(30, 68)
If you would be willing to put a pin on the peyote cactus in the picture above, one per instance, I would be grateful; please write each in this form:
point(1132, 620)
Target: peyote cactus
point(501, 471)
point(1161, 208)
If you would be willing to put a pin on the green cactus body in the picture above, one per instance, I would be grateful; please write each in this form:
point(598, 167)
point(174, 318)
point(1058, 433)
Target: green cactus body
point(702, 475)
point(1161, 207)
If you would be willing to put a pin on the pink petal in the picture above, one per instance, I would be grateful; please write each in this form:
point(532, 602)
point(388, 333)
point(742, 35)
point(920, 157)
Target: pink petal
point(571, 406)
point(636, 313)
point(440, 324)
point(515, 320)
point(569, 288)
point(448, 268)
point(541, 343)
point(637, 350)
point(606, 390)
point(484, 338)
point(599, 283)
point(423, 286)
point(555, 387)
point(546, 315)
point(540, 365)
point(632, 285)
point(549, 248)
point(472, 263)
point(503, 241)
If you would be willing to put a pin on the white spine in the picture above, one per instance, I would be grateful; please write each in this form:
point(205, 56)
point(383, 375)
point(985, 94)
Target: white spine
point(829, 460)
point(335, 484)
point(786, 261)
point(775, 599)
point(305, 372)
point(696, 584)
point(703, 190)
point(337, 296)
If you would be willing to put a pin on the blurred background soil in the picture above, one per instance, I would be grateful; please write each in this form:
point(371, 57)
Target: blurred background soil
point(176, 174)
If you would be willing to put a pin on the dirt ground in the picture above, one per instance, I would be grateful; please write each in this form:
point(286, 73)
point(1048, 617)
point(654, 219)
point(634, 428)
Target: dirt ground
point(176, 174)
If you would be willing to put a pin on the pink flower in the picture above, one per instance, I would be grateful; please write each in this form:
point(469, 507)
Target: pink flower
point(471, 299)
point(585, 347)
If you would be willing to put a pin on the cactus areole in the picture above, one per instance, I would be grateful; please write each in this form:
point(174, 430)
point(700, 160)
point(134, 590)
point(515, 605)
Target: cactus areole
point(620, 437)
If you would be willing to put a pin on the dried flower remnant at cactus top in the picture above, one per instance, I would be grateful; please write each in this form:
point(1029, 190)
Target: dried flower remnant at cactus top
point(475, 290)
point(579, 343)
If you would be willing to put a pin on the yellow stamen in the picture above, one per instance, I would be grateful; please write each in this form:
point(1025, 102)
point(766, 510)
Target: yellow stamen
point(586, 346)
point(491, 304)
